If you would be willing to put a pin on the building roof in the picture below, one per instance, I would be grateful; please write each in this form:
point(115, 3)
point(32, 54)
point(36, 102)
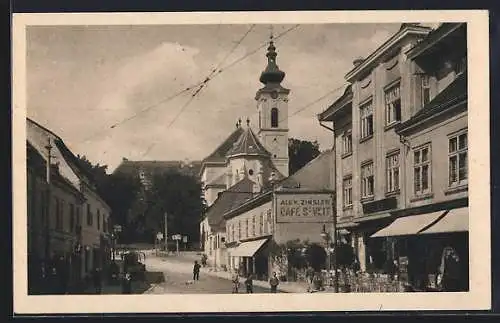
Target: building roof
point(67, 164)
point(219, 154)
point(453, 94)
point(405, 30)
point(228, 200)
point(132, 167)
point(218, 181)
point(247, 144)
point(337, 105)
point(428, 43)
point(315, 175)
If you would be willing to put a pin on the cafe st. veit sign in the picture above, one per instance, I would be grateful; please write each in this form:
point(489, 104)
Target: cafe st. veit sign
point(300, 207)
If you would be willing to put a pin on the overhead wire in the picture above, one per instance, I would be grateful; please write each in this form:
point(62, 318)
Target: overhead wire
point(204, 83)
point(175, 95)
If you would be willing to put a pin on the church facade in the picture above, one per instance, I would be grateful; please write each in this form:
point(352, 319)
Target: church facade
point(252, 200)
point(242, 165)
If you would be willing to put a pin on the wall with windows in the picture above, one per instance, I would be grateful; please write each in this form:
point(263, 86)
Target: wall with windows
point(95, 221)
point(251, 224)
point(437, 161)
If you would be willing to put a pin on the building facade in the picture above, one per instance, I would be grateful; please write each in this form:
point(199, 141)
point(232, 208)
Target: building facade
point(68, 221)
point(297, 208)
point(383, 138)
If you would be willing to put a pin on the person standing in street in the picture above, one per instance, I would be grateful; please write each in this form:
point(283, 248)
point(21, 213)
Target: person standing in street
point(249, 284)
point(450, 270)
point(236, 282)
point(127, 284)
point(310, 277)
point(274, 282)
point(97, 280)
point(196, 270)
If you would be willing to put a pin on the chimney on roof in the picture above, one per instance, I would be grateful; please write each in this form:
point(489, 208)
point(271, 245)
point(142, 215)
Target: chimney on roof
point(357, 61)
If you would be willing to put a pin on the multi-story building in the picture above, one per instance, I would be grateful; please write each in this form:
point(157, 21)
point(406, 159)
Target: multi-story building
point(68, 220)
point(399, 126)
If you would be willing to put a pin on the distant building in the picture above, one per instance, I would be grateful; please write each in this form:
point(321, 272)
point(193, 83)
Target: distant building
point(145, 169)
point(69, 230)
point(400, 131)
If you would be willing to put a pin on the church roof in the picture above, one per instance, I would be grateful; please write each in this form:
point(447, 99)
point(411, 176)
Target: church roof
point(218, 181)
point(228, 200)
point(219, 154)
point(248, 144)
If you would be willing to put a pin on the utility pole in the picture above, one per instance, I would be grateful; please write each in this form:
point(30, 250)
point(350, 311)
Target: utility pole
point(166, 232)
point(48, 199)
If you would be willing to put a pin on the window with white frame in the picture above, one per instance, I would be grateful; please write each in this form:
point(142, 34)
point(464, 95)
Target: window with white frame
point(392, 172)
point(347, 142)
point(233, 238)
point(247, 227)
point(392, 104)
point(239, 230)
point(347, 191)
point(366, 114)
point(426, 89)
point(262, 222)
point(367, 180)
point(422, 170)
point(457, 159)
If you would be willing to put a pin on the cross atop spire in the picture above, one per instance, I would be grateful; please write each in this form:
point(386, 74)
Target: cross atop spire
point(272, 73)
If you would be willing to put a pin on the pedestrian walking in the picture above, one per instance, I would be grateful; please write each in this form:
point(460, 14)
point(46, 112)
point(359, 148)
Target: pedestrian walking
point(97, 280)
point(310, 277)
point(450, 270)
point(127, 284)
point(196, 271)
point(274, 282)
point(236, 282)
point(249, 284)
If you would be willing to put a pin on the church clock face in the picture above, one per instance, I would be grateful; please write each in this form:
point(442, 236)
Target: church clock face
point(274, 95)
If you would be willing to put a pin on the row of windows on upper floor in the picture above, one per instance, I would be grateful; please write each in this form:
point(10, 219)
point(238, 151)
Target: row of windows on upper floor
point(392, 103)
point(67, 216)
point(422, 171)
point(254, 226)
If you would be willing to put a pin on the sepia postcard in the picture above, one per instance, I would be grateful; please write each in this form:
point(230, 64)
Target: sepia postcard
point(165, 162)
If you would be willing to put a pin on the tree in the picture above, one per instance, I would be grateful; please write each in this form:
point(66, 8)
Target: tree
point(301, 152)
point(178, 195)
point(118, 190)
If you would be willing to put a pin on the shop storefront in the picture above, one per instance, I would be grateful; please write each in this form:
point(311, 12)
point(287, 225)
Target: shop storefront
point(420, 246)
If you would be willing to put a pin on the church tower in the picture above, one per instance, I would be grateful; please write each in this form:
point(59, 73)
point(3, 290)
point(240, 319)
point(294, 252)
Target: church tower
point(272, 105)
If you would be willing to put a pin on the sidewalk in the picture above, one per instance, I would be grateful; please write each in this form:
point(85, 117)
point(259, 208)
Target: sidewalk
point(284, 287)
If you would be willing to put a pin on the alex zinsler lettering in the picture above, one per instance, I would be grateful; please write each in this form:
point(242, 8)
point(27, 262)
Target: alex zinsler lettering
point(305, 208)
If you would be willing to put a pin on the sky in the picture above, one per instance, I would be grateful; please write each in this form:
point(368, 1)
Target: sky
point(82, 80)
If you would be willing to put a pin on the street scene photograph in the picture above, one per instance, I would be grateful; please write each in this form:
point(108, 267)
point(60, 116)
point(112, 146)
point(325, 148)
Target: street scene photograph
point(247, 158)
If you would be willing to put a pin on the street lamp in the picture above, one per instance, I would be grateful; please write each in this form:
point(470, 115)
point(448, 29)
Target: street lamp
point(328, 240)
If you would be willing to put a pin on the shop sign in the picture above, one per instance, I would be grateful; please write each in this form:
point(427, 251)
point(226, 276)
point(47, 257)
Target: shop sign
point(312, 208)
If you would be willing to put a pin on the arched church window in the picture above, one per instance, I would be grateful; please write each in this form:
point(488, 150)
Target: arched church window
point(274, 117)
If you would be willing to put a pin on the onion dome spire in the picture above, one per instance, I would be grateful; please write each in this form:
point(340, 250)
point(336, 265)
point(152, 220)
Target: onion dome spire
point(272, 73)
